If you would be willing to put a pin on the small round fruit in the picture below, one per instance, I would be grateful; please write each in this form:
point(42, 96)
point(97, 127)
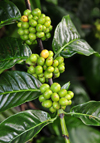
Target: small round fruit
point(28, 62)
point(56, 75)
point(56, 105)
point(28, 42)
point(60, 59)
point(19, 24)
point(43, 15)
point(55, 97)
point(20, 31)
point(35, 18)
point(47, 18)
point(32, 36)
point(48, 74)
point(48, 35)
point(25, 25)
point(47, 23)
point(50, 27)
point(71, 93)
point(30, 16)
point(68, 96)
point(45, 67)
point(61, 68)
point(40, 34)
point(49, 61)
point(39, 27)
point(63, 101)
point(32, 29)
point(33, 58)
point(69, 102)
point(62, 92)
point(50, 69)
point(42, 79)
point(27, 12)
point(26, 31)
point(24, 18)
point(31, 69)
point(36, 12)
point(56, 70)
point(47, 103)
point(44, 87)
point(41, 20)
point(41, 75)
point(63, 107)
point(52, 109)
point(41, 98)
point(32, 22)
point(35, 75)
point(46, 30)
point(50, 53)
point(55, 87)
point(43, 38)
point(38, 70)
point(25, 37)
point(47, 94)
point(40, 61)
point(55, 63)
point(45, 53)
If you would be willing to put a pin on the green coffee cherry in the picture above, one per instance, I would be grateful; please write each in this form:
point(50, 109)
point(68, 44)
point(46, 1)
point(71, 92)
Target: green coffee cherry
point(50, 69)
point(40, 61)
point(41, 20)
point(71, 93)
point(41, 98)
point(29, 42)
point(32, 22)
point(25, 25)
point(35, 75)
point(35, 18)
point(32, 30)
point(19, 24)
point(51, 54)
point(40, 34)
point(42, 79)
point(28, 62)
point(30, 16)
point(55, 97)
point(61, 68)
point(56, 75)
point(69, 102)
point(60, 59)
point(39, 28)
point(49, 61)
point(63, 101)
point(27, 12)
point(63, 107)
point(48, 35)
point(31, 69)
point(41, 75)
point(48, 74)
point(68, 96)
point(47, 94)
point(56, 105)
point(38, 69)
point(52, 109)
point(45, 67)
point(25, 37)
point(36, 12)
point(55, 87)
point(26, 31)
point(33, 58)
point(56, 70)
point(32, 36)
point(44, 87)
point(20, 31)
point(62, 92)
point(55, 63)
point(47, 23)
point(47, 103)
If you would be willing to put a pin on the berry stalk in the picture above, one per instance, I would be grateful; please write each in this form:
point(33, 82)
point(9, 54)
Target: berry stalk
point(63, 126)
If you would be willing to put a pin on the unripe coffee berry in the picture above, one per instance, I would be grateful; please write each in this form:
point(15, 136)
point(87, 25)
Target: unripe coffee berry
point(63, 101)
point(41, 98)
point(52, 109)
point(38, 69)
point(47, 103)
point(33, 58)
point(49, 61)
point(55, 97)
point(27, 12)
point(55, 87)
point(62, 92)
point(71, 93)
point(44, 87)
point(47, 94)
point(56, 105)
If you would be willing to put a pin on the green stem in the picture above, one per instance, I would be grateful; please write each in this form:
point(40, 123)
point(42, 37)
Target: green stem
point(63, 126)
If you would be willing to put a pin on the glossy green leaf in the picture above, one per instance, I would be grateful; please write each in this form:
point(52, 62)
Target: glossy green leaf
point(17, 88)
point(22, 126)
point(88, 112)
point(35, 4)
point(66, 85)
point(9, 13)
point(12, 51)
point(67, 42)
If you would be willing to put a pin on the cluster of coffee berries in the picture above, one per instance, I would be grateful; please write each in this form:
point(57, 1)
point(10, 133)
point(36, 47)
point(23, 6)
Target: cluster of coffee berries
point(54, 97)
point(97, 30)
point(34, 24)
point(44, 66)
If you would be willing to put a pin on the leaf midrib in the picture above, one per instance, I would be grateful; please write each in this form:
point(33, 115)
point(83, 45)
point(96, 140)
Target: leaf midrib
point(64, 47)
point(13, 58)
point(15, 91)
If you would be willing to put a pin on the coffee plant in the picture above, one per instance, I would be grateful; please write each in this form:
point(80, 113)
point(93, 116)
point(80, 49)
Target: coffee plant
point(33, 73)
